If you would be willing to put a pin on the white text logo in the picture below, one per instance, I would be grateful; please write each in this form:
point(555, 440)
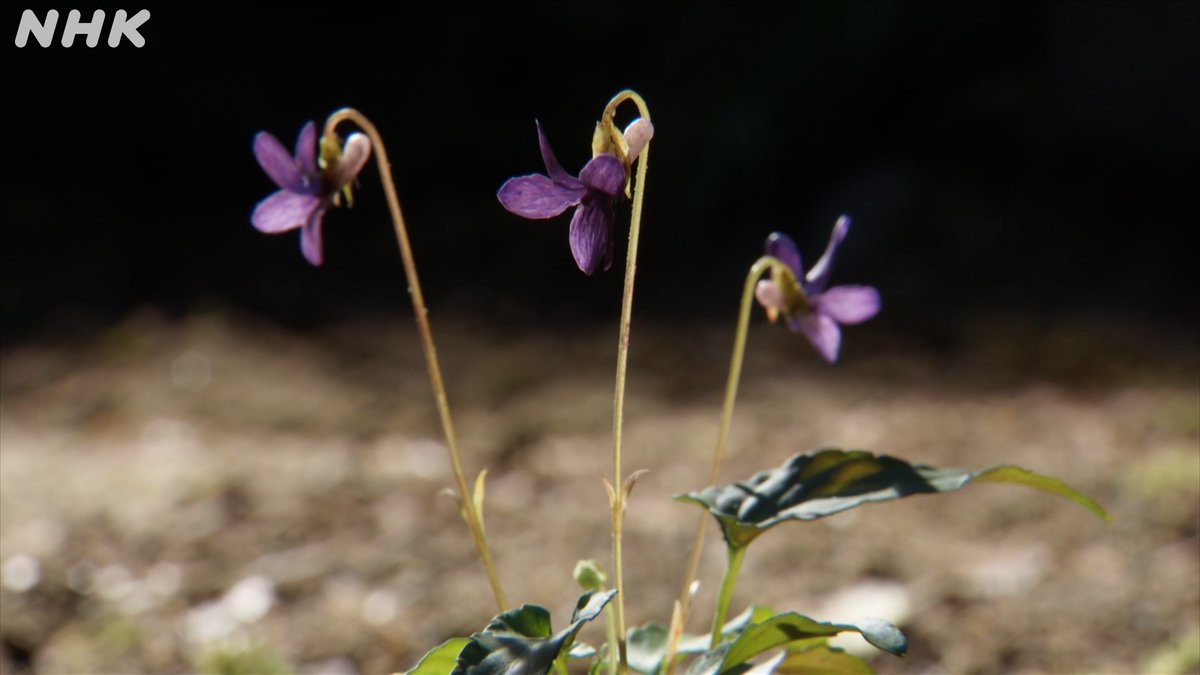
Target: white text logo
point(123, 26)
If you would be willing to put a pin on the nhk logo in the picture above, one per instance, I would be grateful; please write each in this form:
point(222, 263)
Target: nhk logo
point(123, 26)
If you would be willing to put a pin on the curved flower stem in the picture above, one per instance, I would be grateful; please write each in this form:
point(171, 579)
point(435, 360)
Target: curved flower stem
point(466, 503)
point(759, 267)
point(618, 492)
point(736, 555)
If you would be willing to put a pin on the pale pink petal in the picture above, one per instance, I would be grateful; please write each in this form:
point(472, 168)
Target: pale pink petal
point(355, 153)
point(769, 295)
point(637, 135)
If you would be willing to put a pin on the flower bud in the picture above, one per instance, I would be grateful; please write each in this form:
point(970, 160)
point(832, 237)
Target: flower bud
point(355, 153)
point(589, 575)
point(770, 296)
point(637, 135)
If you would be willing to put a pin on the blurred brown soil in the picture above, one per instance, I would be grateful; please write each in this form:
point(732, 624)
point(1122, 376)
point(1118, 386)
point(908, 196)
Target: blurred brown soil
point(174, 490)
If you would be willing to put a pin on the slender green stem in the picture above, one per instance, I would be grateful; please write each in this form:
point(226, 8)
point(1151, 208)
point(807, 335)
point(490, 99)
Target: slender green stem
point(466, 502)
point(614, 642)
point(759, 267)
point(618, 488)
point(560, 664)
point(736, 555)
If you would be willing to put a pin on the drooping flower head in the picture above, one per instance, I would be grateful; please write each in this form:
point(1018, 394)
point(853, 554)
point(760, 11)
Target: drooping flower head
point(308, 185)
point(602, 180)
point(803, 299)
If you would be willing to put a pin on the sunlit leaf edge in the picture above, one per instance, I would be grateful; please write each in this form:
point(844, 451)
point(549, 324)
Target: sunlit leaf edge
point(441, 659)
point(818, 657)
point(646, 656)
point(908, 479)
point(789, 627)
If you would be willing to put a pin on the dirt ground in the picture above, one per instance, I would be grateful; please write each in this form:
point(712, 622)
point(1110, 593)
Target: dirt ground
point(219, 493)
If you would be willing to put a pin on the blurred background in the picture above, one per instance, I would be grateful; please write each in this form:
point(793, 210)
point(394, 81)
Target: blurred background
point(215, 457)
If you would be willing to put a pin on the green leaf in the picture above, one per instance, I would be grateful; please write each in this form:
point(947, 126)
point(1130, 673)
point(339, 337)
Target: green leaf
point(440, 660)
point(589, 606)
point(497, 653)
point(581, 650)
point(646, 645)
point(1015, 474)
point(814, 485)
point(766, 667)
point(710, 663)
point(790, 627)
point(519, 640)
point(816, 657)
point(527, 620)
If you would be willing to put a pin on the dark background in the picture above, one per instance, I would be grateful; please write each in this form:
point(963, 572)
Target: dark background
point(996, 158)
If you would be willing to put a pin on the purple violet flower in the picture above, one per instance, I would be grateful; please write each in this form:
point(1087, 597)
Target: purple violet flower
point(306, 190)
point(600, 181)
point(804, 300)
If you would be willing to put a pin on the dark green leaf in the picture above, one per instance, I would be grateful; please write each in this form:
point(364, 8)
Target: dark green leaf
point(589, 606)
point(527, 620)
point(815, 485)
point(518, 642)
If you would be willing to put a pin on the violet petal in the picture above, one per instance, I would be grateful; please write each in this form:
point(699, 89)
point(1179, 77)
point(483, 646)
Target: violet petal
point(536, 196)
point(781, 247)
point(553, 168)
point(306, 149)
point(310, 239)
point(284, 210)
point(591, 235)
point(277, 162)
point(604, 173)
point(822, 332)
point(848, 304)
point(818, 276)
